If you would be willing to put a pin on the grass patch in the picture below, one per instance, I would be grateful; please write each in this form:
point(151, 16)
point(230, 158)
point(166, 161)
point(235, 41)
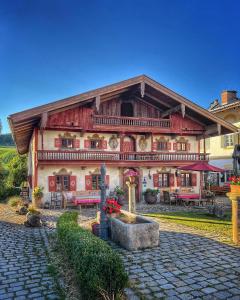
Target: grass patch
point(199, 220)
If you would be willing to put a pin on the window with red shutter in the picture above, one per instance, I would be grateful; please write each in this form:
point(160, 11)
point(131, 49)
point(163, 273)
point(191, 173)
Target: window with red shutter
point(154, 146)
point(169, 146)
point(86, 143)
point(88, 182)
point(155, 180)
point(76, 143)
point(178, 180)
point(174, 146)
point(104, 144)
point(57, 142)
point(194, 179)
point(51, 184)
point(171, 180)
point(73, 183)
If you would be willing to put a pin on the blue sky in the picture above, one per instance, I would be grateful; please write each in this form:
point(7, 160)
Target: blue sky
point(50, 50)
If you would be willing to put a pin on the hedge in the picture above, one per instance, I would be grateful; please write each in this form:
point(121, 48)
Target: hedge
point(99, 269)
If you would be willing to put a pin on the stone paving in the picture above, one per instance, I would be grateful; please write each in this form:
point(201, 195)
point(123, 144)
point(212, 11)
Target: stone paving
point(23, 260)
point(188, 264)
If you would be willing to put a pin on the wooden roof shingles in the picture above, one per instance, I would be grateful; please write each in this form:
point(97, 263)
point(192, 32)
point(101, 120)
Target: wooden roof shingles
point(23, 123)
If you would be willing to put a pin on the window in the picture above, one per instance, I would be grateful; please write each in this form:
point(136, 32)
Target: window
point(228, 140)
point(62, 182)
point(186, 179)
point(96, 181)
point(164, 180)
point(127, 109)
point(162, 146)
point(181, 146)
point(66, 143)
point(95, 144)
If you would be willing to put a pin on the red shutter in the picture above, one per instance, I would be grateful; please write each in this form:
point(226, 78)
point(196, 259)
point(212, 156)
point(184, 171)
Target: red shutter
point(51, 184)
point(73, 183)
point(194, 179)
point(88, 182)
point(174, 146)
point(188, 146)
point(155, 180)
point(104, 144)
point(178, 180)
point(154, 146)
point(171, 180)
point(76, 143)
point(107, 180)
point(169, 146)
point(57, 143)
point(86, 144)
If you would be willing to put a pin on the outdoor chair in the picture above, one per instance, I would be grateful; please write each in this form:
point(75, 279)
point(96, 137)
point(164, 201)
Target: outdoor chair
point(56, 200)
point(169, 199)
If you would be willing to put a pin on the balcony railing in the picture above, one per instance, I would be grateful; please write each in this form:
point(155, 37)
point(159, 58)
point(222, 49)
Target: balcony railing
point(130, 121)
point(49, 155)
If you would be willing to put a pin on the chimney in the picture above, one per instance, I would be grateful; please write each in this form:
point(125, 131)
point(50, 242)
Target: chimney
point(228, 96)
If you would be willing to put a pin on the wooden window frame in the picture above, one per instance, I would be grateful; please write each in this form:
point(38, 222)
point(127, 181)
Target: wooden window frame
point(165, 148)
point(161, 183)
point(67, 139)
point(61, 181)
point(184, 179)
point(97, 142)
point(227, 139)
point(96, 183)
point(181, 146)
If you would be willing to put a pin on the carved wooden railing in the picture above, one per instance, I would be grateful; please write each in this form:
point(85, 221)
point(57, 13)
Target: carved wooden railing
point(119, 156)
point(130, 121)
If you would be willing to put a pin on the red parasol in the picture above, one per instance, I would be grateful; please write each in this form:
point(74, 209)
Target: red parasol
point(201, 167)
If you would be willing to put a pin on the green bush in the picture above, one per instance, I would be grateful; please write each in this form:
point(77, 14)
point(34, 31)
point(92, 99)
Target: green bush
point(14, 201)
point(99, 269)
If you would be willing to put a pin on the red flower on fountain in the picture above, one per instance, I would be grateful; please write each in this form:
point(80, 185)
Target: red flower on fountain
point(112, 206)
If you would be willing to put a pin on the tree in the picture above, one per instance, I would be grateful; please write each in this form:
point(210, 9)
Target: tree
point(17, 171)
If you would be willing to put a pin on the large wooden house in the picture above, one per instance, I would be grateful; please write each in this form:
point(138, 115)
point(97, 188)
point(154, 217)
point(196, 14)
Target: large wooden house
point(135, 124)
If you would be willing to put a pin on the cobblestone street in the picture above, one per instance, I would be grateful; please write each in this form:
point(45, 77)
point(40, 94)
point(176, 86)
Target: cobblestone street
point(188, 264)
point(23, 260)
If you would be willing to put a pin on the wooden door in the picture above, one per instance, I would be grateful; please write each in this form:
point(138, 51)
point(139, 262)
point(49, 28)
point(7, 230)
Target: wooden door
point(128, 144)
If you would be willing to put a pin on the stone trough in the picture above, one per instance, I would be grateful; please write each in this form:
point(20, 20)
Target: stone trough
point(142, 233)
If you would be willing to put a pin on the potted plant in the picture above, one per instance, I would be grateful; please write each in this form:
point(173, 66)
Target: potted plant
point(33, 217)
point(37, 196)
point(150, 196)
point(235, 184)
point(120, 195)
point(112, 208)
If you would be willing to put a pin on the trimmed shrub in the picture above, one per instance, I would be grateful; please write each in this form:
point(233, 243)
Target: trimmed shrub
point(99, 269)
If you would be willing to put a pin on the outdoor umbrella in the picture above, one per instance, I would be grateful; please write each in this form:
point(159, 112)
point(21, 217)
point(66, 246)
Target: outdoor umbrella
point(201, 167)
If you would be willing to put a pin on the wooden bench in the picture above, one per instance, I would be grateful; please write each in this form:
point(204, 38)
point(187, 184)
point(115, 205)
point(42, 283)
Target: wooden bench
point(81, 198)
point(220, 190)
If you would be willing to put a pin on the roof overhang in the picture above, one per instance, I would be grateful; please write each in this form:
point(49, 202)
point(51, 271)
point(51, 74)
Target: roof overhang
point(23, 123)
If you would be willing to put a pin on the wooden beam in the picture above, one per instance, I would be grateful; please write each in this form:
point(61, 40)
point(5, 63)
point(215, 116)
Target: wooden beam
point(97, 102)
point(183, 110)
point(211, 129)
point(219, 129)
point(158, 100)
point(171, 110)
point(142, 88)
point(147, 103)
point(43, 122)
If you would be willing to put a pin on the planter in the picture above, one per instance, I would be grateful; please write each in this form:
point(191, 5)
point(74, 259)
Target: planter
point(235, 188)
point(140, 234)
point(37, 202)
point(121, 199)
point(150, 199)
point(33, 220)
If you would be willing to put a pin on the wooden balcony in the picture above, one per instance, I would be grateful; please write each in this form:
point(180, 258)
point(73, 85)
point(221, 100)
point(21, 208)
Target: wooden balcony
point(113, 123)
point(115, 158)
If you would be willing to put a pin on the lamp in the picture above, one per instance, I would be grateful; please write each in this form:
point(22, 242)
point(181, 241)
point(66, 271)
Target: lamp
point(177, 173)
point(149, 175)
point(144, 181)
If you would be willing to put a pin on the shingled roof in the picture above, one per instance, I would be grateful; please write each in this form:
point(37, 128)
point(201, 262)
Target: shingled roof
point(23, 123)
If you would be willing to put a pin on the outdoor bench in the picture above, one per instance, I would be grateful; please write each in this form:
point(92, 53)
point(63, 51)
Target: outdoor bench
point(81, 198)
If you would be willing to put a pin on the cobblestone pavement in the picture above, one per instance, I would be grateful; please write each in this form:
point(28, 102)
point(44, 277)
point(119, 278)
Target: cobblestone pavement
point(188, 264)
point(23, 260)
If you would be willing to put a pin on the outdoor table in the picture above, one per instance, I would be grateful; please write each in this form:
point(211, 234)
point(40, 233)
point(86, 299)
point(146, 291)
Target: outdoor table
point(188, 198)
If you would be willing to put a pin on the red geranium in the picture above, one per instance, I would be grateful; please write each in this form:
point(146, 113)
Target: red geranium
point(234, 180)
point(112, 206)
